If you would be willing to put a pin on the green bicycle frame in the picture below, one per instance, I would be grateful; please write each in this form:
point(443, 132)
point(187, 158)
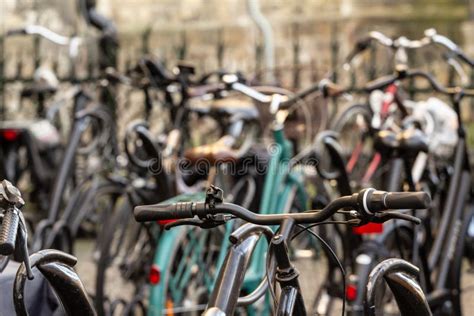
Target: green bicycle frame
point(281, 187)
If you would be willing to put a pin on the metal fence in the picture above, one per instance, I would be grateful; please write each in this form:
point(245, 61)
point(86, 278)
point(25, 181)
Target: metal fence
point(293, 75)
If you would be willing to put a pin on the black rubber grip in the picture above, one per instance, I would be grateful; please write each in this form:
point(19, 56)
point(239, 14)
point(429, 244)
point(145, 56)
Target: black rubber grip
point(465, 58)
point(8, 232)
point(156, 212)
point(407, 200)
point(16, 32)
point(360, 46)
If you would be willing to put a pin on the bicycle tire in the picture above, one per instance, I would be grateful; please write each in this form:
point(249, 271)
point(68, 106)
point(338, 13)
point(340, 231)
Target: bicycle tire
point(185, 240)
point(124, 233)
point(350, 140)
point(456, 271)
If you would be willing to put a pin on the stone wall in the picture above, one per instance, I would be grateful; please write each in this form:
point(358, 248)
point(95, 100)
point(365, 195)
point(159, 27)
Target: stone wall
point(310, 35)
point(214, 33)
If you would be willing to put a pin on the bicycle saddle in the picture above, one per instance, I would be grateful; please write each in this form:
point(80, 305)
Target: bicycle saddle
point(155, 70)
point(219, 152)
point(229, 107)
point(38, 90)
point(243, 110)
point(44, 134)
point(411, 141)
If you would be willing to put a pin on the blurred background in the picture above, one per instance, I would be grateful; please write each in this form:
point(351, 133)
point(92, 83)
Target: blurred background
point(311, 40)
point(311, 37)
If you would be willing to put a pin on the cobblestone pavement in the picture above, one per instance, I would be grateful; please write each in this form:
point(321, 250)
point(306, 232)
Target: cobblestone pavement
point(312, 275)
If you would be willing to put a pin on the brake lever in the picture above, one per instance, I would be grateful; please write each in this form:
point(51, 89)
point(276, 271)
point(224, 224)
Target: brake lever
point(21, 249)
point(209, 222)
point(385, 216)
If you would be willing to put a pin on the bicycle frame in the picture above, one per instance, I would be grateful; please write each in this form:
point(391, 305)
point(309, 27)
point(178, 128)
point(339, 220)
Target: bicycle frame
point(280, 187)
point(82, 120)
point(225, 295)
point(448, 243)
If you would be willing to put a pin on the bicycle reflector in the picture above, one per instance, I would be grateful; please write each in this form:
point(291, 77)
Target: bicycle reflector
point(163, 222)
point(10, 134)
point(155, 275)
point(351, 292)
point(370, 228)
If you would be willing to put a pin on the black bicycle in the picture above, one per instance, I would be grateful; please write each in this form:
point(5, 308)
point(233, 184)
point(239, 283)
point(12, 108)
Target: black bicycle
point(366, 206)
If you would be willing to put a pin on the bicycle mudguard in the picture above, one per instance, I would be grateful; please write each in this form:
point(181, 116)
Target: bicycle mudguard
point(408, 293)
point(40, 299)
point(68, 287)
point(162, 262)
point(400, 276)
point(56, 267)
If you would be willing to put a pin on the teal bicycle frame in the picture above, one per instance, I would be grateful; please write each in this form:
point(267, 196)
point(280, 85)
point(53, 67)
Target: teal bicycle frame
point(282, 185)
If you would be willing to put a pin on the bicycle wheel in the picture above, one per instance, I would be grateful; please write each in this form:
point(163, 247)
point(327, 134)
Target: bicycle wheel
point(353, 124)
point(460, 285)
point(124, 256)
point(188, 260)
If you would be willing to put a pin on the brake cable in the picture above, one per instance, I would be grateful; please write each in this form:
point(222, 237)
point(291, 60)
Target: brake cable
point(325, 245)
point(331, 251)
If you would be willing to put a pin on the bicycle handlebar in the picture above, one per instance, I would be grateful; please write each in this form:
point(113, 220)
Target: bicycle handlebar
point(401, 74)
point(448, 44)
point(431, 37)
point(373, 201)
point(406, 74)
point(72, 42)
point(43, 32)
point(366, 202)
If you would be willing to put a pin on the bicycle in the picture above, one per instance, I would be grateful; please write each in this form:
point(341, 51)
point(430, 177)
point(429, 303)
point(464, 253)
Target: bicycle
point(406, 156)
point(55, 266)
point(230, 282)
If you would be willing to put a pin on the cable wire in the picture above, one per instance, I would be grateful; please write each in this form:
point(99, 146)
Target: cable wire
point(270, 279)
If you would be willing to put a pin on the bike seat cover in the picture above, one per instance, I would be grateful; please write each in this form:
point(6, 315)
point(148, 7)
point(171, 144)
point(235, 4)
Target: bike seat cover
point(219, 152)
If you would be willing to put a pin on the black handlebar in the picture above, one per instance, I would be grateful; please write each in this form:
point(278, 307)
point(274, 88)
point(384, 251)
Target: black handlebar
point(383, 82)
point(360, 46)
point(13, 235)
point(374, 201)
point(157, 212)
point(14, 32)
point(366, 203)
point(8, 231)
point(462, 56)
point(407, 200)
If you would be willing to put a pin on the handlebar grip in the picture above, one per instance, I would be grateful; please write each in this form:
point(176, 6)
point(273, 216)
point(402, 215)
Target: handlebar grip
point(360, 46)
point(150, 213)
point(8, 232)
point(465, 58)
point(14, 32)
point(407, 200)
